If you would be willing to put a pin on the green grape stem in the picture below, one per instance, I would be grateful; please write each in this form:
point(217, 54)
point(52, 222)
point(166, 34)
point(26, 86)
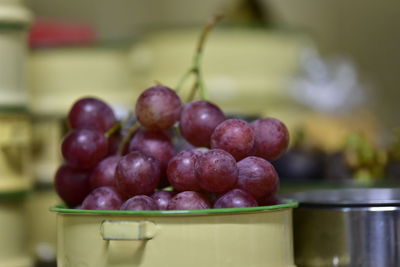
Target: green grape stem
point(127, 138)
point(113, 129)
point(198, 85)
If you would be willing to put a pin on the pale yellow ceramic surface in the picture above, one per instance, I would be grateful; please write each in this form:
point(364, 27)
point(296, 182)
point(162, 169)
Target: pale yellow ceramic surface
point(14, 235)
point(42, 224)
point(14, 11)
point(245, 70)
point(251, 239)
point(15, 173)
point(14, 24)
point(59, 76)
point(47, 134)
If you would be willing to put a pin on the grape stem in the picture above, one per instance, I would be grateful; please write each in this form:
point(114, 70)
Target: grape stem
point(195, 70)
point(127, 137)
point(113, 129)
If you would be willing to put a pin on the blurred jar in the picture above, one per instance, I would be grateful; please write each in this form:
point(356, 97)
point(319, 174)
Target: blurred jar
point(47, 131)
point(266, 72)
point(14, 24)
point(42, 225)
point(65, 64)
point(15, 183)
point(245, 70)
point(14, 121)
point(14, 251)
point(59, 76)
point(15, 136)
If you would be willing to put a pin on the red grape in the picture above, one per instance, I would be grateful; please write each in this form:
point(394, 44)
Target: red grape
point(188, 200)
point(258, 177)
point(162, 198)
point(72, 185)
point(139, 203)
point(104, 173)
point(91, 113)
point(137, 174)
point(84, 148)
point(234, 136)
point(155, 144)
point(158, 108)
point(181, 171)
point(216, 171)
point(236, 198)
point(102, 198)
point(198, 121)
point(271, 138)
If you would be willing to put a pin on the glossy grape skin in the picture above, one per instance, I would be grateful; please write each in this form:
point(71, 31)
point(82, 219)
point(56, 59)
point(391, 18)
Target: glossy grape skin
point(198, 121)
point(236, 198)
point(91, 113)
point(158, 108)
point(71, 184)
point(234, 136)
point(140, 202)
point(155, 144)
point(162, 198)
point(271, 138)
point(137, 174)
point(104, 173)
point(102, 198)
point(257, 177)
point(181, 171)
point(216, 171)
point(84, 148)
point(188, 200)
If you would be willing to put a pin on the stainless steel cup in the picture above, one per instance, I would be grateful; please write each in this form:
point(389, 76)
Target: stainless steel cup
point(347, 227)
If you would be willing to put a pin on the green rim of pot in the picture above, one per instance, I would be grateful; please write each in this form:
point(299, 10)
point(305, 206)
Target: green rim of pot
point(18, 109)
point(286, 204)
point(13, 26)
point(14, 195)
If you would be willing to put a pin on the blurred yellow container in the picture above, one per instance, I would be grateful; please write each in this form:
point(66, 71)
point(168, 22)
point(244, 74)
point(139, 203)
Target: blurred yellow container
point(47, 134)
point(14, 24)
point(245, 70)
point(14, 250)
point(60, 76)
point(15, 138)
point(257, 236)
point(42, 224)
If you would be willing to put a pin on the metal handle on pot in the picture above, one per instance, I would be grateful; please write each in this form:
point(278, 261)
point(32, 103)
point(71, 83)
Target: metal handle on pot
point(128, 230)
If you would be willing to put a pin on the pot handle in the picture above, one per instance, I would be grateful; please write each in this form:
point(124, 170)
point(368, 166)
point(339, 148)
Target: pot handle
point(128, 230)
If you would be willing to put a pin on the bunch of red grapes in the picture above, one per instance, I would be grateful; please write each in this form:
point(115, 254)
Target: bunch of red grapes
point(224, 165)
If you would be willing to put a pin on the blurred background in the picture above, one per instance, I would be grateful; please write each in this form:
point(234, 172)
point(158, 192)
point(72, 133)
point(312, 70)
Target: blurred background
point(327, 69)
